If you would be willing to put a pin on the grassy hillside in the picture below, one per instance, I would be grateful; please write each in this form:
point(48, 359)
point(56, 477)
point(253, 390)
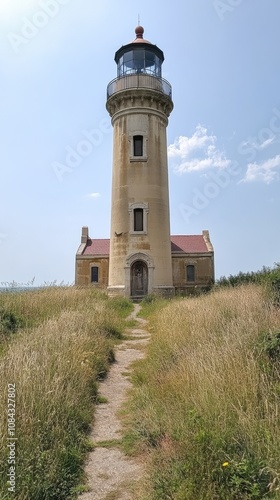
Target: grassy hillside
point(206, 405)
point(56, 344)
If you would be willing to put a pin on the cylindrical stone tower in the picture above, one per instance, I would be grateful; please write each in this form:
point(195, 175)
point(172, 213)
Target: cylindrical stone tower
point(139, 103)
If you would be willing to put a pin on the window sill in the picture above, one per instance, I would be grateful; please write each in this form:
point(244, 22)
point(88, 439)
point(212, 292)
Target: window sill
point(140, 159)
point(137, 233)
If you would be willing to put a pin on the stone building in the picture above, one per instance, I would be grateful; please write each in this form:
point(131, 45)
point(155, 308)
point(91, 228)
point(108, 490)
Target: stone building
point(141, 257)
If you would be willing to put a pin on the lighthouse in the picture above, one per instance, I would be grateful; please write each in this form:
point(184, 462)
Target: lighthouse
point(141, 257)
point(139, 102)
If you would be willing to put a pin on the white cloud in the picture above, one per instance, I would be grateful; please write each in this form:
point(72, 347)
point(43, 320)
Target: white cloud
point(266, 171)
point(93, 195)
point(197, 153)
point(268, 142)
point(261, 145)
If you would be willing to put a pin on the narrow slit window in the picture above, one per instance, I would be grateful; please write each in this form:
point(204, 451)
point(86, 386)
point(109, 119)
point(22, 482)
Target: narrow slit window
point(138, 219)
point(94, 274)
point(138, 145)
point(190, 273)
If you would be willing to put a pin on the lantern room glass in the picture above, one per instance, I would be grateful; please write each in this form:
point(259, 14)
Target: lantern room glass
point(139, 60)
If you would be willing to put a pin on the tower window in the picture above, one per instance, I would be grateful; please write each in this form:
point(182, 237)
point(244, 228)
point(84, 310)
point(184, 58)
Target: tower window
point(94, 274)
point(138, 219)
point(190, 274)
point(138, 145)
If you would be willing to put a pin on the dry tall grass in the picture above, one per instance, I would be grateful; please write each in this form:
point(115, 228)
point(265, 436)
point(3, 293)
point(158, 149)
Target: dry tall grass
point(54, 367)
point(207, 395)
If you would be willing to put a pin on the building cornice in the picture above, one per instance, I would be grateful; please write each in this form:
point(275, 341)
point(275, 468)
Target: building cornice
point(139, 100)
point(90, 257)
point(191, 255)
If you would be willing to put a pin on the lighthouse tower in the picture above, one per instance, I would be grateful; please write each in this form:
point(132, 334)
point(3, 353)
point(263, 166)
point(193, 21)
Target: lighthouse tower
point(139, 102)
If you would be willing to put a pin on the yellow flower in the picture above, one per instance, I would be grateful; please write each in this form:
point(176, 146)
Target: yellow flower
point(225, 464)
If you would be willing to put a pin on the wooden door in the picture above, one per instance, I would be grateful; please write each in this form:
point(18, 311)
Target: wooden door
point(139, 279)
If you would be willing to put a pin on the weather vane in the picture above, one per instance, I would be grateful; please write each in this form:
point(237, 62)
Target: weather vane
point(138, 19)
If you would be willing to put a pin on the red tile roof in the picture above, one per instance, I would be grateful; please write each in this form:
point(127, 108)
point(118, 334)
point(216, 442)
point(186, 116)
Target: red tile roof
point(97, 247)
point(179, 244)
point(188, 244)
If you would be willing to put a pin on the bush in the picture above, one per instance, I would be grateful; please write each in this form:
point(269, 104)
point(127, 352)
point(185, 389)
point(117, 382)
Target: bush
point(9, 322)
point(271, 346)
point(268, 277)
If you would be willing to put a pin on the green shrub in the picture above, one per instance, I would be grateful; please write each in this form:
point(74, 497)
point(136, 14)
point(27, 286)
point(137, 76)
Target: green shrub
point(266, 276)
point(271, 346)
point(9, 322)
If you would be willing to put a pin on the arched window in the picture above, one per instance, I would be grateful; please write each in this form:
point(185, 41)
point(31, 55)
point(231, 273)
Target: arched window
point(190, 273)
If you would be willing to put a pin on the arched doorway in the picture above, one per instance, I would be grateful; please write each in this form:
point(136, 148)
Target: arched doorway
point(139, 279)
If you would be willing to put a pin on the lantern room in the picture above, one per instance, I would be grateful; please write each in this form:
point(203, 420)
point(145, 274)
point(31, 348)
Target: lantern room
point(139, 56)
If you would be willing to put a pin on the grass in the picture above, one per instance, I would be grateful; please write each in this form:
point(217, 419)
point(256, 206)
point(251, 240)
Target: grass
point(206, 404)
point(131, 323)
point(61, 347)
point(101, 399)
point(31, 308)
point(121, 306)
point(109, 443)
point(151, 304)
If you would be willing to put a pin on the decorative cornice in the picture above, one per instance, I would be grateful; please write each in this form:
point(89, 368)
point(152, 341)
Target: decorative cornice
point(139, 100)
point(139, 256)
point(197, 255)
point(92, 257)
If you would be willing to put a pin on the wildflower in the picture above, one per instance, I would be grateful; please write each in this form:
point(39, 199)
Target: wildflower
point(225, 464)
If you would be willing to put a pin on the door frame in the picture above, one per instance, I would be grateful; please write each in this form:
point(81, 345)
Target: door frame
point(131, 259)
point(145, 277)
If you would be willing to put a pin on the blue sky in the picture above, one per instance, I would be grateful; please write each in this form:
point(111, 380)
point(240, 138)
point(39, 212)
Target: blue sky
point(57, 57)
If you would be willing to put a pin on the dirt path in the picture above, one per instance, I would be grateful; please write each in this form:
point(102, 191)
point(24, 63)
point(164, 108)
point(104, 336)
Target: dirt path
point(111, 474)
